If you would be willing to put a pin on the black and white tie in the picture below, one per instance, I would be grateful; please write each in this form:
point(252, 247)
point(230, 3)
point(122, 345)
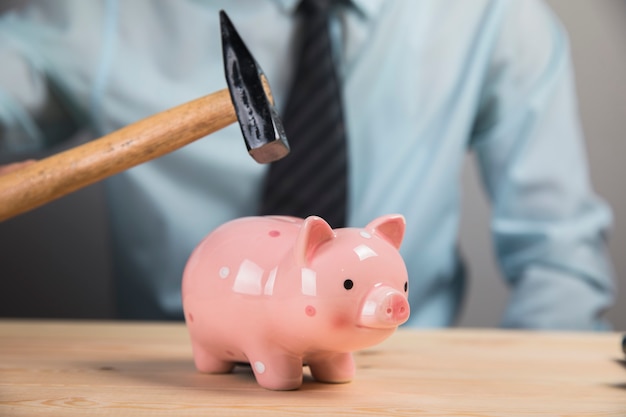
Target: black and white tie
point(312, 179)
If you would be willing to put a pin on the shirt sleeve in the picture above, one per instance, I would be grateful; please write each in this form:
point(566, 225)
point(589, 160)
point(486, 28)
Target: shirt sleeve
point(548, 226)
point(33, 114)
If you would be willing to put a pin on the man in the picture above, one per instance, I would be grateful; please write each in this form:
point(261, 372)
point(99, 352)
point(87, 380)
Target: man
point(422, 83)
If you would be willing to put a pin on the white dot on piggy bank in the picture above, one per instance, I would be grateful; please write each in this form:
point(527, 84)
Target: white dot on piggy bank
point(224, 271)
point(259, 366)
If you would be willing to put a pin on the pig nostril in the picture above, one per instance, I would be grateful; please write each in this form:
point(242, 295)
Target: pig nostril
point(389, 310)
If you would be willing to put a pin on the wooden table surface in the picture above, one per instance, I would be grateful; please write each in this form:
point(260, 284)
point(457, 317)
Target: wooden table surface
point(64, 368)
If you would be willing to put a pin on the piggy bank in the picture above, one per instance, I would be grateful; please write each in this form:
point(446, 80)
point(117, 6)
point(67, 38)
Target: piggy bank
point(282, 292)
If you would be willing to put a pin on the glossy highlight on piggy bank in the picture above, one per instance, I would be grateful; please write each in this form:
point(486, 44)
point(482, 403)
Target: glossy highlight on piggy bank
point(281, 292)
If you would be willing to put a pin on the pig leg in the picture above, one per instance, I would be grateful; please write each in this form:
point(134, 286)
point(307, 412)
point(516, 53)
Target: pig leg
point(332, 367)
point(277, 370)
point(207, 362)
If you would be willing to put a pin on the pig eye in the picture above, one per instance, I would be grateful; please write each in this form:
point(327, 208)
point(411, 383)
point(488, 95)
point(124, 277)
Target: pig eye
point(406, 286)
point(348, 284)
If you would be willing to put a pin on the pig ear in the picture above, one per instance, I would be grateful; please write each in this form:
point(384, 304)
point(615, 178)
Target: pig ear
point(313, 233)
point(390, 227)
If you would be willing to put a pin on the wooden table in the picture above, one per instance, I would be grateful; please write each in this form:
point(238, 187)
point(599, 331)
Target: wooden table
point(58, 368)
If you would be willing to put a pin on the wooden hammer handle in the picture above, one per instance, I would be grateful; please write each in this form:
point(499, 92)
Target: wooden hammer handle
point(147, 139)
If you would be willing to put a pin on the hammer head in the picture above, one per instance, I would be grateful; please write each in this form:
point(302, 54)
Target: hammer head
point(260, 124)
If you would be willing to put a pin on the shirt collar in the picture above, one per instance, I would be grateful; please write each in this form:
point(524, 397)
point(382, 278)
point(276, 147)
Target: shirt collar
point(369, 8)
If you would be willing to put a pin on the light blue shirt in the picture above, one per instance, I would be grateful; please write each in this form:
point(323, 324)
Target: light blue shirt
point(424, 82)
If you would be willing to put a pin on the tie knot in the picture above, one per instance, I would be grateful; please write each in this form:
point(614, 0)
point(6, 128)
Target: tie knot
point(309, 7)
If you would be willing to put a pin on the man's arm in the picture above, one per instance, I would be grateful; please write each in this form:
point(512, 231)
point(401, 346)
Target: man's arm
point(549, 227)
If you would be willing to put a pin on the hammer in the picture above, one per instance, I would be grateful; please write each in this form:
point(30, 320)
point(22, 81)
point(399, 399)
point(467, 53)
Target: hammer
point(248, 99)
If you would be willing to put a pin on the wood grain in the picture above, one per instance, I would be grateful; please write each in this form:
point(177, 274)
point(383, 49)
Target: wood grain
point(58, 175)
point(87, 368)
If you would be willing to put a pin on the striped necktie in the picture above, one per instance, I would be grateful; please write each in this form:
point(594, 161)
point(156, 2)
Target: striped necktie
point(312, 179)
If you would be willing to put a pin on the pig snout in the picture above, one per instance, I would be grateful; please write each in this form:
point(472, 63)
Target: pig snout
point(383, 308)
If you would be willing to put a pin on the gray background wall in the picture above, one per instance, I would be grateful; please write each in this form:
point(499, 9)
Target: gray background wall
point(54, 261)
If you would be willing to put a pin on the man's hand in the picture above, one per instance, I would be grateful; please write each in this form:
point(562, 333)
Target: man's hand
point(5, 169)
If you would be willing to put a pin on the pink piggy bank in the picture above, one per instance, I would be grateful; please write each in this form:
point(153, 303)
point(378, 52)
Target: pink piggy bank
point(281, 292)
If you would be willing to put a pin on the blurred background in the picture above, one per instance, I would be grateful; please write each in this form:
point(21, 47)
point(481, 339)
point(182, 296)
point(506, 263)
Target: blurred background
point(39, 279)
